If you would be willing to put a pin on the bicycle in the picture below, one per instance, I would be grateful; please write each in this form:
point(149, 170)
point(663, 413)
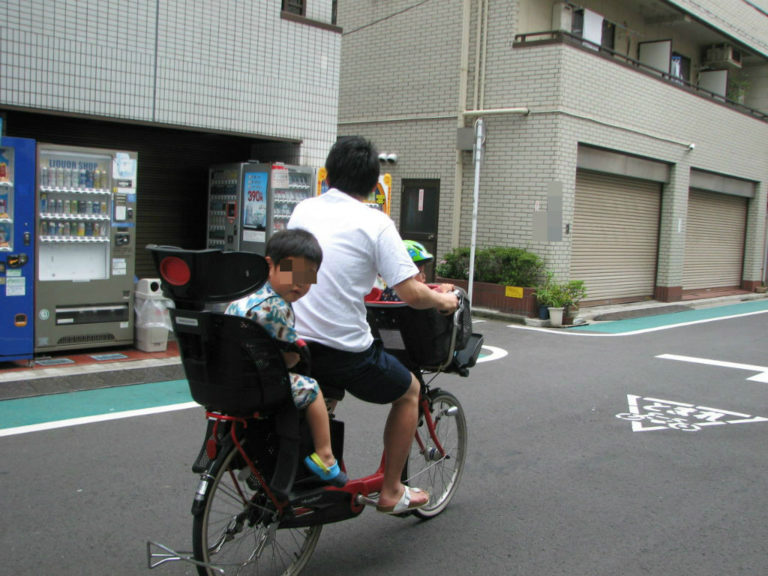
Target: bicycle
point(256, 509)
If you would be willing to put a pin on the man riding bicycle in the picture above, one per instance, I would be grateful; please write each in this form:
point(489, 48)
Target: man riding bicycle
point(358, 243)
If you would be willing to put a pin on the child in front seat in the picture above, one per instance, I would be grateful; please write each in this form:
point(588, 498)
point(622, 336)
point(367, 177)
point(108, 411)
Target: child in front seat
point(294, 257)
point(421, 257)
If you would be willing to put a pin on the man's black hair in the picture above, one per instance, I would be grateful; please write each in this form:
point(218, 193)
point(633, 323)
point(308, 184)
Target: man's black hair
point(294, 242)
point(353, 166)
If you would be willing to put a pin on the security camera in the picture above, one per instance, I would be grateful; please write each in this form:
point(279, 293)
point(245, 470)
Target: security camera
point(392, 158)
point(691, 146)
point(382, 157)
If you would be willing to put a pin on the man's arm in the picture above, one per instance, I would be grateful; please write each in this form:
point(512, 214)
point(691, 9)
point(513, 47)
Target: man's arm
point(421, 296)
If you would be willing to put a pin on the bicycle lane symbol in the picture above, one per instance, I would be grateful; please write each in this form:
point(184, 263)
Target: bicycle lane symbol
point(647, 414)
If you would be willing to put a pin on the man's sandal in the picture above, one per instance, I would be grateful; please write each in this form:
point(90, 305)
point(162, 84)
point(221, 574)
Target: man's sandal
point(405, 504)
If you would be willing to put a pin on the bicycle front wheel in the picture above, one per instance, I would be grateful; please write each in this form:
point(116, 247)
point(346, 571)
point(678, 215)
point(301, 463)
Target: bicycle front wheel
point(438, 472)
point(237, 529)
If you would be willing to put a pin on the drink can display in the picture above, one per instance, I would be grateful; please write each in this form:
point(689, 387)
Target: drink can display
point(67, 183)
point(89, 178)
point(81, 228)
point(103, 207)
point(43, 203)
point(81, 206)
point(59, 177)
point(65, 207)
point(96, 207)
point(44, 176)
point(89, 228)
point(51, 228)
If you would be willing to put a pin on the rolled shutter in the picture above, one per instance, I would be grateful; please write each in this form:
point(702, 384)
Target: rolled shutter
point(615, 236)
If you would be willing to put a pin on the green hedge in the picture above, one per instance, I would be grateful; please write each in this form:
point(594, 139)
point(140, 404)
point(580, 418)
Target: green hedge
point(496, 265)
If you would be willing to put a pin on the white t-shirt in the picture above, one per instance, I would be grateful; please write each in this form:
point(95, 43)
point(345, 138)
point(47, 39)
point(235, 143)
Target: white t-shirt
point(358, 242)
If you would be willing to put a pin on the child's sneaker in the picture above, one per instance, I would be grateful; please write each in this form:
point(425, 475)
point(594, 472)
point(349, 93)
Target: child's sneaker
point(333, 475)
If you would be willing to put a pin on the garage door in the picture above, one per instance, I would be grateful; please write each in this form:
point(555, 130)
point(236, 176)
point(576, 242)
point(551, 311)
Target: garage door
point(714, 240)
point(615, 236)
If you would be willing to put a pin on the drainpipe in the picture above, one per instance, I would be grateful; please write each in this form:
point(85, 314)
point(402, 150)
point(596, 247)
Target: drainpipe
point(463, 81)
point(484, 55)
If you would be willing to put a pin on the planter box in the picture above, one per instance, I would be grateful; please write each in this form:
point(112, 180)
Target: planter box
point(494, 297)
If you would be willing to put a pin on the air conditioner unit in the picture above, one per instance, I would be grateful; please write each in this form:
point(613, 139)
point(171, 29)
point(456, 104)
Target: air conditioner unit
point(722, 56)
point(562, 16)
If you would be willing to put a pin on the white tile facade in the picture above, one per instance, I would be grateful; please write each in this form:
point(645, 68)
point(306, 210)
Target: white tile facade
point(225, 65)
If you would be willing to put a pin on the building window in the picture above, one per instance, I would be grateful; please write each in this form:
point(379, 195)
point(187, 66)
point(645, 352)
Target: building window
point(295, 7)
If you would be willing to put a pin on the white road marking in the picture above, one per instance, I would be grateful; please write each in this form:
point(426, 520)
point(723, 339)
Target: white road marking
point(496, 354)
point(762, 371)
point(96, 418)
point(658, 414)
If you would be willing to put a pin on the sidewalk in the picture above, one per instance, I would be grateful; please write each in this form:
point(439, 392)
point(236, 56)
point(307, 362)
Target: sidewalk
point(102, 368)
point(86, 370)
point(592, 314)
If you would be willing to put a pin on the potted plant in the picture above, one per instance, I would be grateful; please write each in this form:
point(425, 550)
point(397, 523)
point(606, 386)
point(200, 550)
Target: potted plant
point(557, 296)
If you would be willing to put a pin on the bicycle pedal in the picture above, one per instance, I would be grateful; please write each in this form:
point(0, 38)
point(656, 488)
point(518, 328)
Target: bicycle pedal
point(361, 500)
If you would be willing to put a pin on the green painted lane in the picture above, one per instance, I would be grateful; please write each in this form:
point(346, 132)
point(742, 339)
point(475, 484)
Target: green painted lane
point(658, 321)
point(57, 407)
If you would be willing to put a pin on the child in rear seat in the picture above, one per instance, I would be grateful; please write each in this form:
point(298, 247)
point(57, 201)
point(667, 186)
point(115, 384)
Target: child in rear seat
point(294, 257)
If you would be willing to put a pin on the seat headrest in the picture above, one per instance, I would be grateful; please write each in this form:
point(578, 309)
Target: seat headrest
point(192, 278)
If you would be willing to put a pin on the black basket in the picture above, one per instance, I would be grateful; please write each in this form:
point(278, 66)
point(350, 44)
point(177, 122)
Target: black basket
point(426, 339)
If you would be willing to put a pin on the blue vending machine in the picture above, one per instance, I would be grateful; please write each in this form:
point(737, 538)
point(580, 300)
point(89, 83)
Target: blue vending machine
point(17, 248)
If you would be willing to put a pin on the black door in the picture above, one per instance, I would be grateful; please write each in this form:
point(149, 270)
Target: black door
point(418, 215)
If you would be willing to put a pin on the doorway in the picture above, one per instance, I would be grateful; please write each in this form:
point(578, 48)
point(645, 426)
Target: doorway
point(419, 211)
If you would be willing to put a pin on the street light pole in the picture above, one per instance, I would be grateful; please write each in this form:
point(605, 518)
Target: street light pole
point(478, 159)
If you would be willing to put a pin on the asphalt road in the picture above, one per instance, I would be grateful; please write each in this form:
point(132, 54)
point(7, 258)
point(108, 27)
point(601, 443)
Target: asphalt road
point(555, 483)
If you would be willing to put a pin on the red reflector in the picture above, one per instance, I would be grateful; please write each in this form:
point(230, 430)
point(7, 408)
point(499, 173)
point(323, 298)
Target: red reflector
point(175, 271)
point(210, 449)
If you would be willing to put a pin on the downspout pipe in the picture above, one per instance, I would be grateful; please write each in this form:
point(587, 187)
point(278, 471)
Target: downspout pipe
point(458, 174)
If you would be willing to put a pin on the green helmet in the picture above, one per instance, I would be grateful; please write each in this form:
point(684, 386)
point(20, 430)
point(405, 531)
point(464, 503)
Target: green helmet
point(417, 252)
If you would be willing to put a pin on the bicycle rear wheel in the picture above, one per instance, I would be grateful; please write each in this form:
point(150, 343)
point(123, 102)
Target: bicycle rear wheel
point(237, 529)
point(427, 468)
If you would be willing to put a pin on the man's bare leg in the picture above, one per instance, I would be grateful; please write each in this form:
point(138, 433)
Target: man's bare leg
point(398, 435)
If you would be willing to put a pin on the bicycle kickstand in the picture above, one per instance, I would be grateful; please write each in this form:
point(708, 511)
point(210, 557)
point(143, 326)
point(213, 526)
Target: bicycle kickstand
point(169, 555)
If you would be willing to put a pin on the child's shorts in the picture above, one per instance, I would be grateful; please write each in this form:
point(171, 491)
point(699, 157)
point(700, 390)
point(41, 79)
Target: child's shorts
point(304, 390)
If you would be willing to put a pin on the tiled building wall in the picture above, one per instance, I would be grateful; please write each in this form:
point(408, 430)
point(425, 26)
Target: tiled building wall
point(745, 21)
point(574, 97)
point(401, 89)
point(577, 98)
point(220, 65)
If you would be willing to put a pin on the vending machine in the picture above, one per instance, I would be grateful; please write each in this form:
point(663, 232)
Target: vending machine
point(17, 249)
point(248, 202)
point(86, 239)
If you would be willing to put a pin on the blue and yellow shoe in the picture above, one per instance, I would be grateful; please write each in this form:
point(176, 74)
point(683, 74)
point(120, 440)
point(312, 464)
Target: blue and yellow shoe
point(333, 475)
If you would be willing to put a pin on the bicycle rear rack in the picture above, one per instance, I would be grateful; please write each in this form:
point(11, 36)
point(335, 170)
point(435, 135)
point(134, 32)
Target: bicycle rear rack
point(155, 559)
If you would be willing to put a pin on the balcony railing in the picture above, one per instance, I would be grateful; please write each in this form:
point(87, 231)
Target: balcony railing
point(562, 37)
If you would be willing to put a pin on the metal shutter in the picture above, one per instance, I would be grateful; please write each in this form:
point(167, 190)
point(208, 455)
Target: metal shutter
point(614, 242)
point(714, 240)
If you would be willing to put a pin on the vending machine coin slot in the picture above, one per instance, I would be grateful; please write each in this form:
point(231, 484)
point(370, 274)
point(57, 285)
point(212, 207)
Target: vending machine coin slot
point(20, 320)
